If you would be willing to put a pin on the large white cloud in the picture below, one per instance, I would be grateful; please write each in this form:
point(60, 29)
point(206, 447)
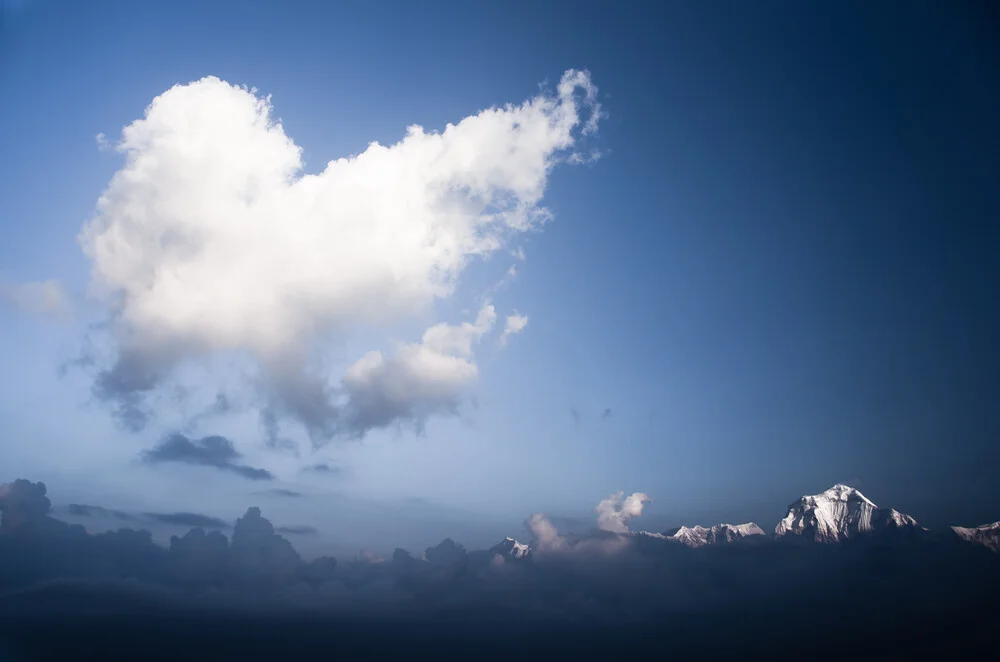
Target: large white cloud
point(210, 239)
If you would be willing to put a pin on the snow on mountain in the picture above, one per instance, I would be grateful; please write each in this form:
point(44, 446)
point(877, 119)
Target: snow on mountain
point(839, 513)
point(511, 549)
point(987, 535)
point(699, 536)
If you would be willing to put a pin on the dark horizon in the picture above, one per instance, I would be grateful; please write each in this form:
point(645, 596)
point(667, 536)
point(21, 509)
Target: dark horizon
point(113, 594)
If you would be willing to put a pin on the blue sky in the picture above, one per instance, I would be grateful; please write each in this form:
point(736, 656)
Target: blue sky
point(778, 275)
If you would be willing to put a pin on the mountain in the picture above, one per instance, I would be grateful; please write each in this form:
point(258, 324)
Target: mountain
point(840, 513)
point(699, 536)
point(987, 535)
point(511, 550)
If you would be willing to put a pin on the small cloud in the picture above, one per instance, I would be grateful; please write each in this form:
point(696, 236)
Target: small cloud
point(578, 158)
point(281, 492)
point(84, 510)
point(501, 284)
point(543, 532)
point(325, 468)
point(418, 380)
point(37, 298)
point(515, 324)
point(215, 451)
point(614, 513)
point(188, 519)
point(102, 142)
point(297, 530)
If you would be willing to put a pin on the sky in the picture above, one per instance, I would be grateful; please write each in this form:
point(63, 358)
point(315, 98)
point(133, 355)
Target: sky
point(389, 271)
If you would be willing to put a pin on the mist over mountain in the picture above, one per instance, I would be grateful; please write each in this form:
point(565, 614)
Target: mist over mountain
point(632, 586)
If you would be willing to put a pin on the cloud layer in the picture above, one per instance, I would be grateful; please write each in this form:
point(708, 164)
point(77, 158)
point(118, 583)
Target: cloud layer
point(211, 240)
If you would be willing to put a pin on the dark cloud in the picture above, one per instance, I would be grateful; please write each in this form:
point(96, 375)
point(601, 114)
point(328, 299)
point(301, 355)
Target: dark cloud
point(326, 468)
point(125, 387)
point(214, 451)
point(22, 503)
point(281, 492)
point(297, 530)
point(221, 405)
point(83, 510)
point(268, 420)
point(188, 519)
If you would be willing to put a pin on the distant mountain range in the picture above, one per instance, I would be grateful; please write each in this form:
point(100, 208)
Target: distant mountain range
point(838, 514)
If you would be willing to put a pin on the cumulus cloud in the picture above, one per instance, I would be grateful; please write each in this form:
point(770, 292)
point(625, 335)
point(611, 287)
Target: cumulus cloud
point(38, 298)
point(614, 513)
point(420, 379)
point(211, 240)
point(22, 502)
point(215, 451)
point(543, 532)
point(515, 324)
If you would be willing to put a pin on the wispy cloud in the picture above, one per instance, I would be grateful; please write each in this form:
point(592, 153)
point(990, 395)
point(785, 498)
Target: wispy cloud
point(84, 510)
point(281, 492)
point(38, 298)
point(326, 468)
point(188, 519)
point(515, 324)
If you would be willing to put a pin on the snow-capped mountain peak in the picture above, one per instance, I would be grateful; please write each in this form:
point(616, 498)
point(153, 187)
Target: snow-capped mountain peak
point(509, 548)
point(839, 513)
point(699, 536)
point(987, 535)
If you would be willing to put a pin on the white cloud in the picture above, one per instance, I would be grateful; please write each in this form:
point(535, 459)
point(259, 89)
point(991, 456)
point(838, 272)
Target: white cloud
point(503, 283)
point(420, 379)
point(210, 239)
point(515, 324)
point(614, 513)
point(40, 298)
point(578, 158)
point(544, 533)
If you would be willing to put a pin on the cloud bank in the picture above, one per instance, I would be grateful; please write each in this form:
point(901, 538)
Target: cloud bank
point(210, 240)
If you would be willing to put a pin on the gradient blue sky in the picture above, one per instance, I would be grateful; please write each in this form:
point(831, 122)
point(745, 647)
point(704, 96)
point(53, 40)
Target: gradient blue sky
point(781, 273)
